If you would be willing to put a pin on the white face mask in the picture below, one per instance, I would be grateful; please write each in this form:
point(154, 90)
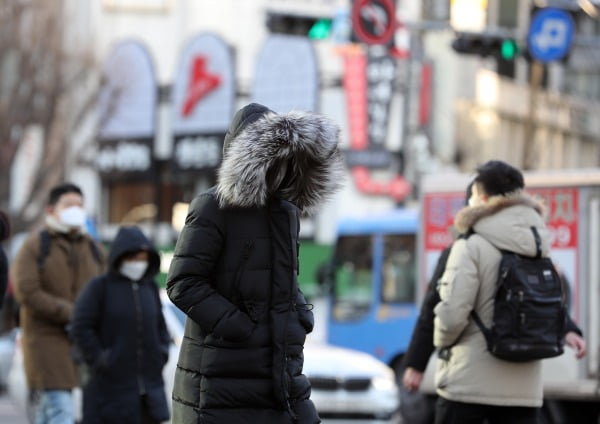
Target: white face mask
point(134, 270)
point(73, 216)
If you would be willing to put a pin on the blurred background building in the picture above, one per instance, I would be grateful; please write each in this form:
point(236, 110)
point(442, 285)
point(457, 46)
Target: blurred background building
point(131, 98)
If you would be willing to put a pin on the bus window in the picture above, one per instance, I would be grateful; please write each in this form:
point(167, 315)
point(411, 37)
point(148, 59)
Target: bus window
point(399, 268)
point(353, 279)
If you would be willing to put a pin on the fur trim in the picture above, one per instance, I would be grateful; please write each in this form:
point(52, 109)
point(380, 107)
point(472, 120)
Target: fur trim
point(469, 215)
point(310, 139)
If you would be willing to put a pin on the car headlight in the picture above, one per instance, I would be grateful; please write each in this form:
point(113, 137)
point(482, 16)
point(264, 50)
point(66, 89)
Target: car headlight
point(384, 384)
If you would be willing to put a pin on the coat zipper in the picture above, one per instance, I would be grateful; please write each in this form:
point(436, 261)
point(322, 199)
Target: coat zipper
point(292, 307)
point(139, 349)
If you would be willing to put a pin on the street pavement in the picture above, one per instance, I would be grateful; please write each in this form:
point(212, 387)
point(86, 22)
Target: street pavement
point(9, 414)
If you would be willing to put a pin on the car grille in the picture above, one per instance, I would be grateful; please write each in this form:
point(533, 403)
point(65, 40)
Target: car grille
point(350, 384)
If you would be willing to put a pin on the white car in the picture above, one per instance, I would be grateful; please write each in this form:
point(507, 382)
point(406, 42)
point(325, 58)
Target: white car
point(351, 385)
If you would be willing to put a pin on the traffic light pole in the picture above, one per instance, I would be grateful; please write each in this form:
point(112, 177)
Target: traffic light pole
point(535, 82)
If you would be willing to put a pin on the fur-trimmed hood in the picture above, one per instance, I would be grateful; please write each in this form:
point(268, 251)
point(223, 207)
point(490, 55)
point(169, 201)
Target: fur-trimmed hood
point(293, 156)
point(506, 221)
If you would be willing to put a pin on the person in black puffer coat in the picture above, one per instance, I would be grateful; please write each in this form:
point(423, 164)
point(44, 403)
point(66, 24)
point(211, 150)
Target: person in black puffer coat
point(234, 273)
point(121, 335)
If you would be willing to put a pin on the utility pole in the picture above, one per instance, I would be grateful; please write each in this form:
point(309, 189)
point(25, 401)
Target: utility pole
point(535, 82)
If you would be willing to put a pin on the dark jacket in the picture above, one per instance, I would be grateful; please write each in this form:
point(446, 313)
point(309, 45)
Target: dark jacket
point(421, 344)
point(120, 331)
point(234, 273)
point(46, 297)
point(3, 275)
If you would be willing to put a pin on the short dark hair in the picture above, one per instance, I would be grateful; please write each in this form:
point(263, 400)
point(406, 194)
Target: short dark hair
point(469, 192)
point(499, 178)
point(61, 189)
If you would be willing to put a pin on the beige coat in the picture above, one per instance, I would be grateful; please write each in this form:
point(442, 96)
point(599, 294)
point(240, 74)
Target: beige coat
point(472, 374)
point(46, 301)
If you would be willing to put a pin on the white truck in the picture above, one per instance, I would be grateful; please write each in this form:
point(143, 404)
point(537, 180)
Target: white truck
point(572, 198)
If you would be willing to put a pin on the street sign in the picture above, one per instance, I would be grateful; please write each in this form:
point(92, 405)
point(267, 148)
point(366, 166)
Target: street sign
point(550, 34)
point(374, 21)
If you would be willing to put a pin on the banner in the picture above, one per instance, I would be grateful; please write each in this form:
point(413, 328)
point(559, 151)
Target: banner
point(202, 104)
point(126, 109)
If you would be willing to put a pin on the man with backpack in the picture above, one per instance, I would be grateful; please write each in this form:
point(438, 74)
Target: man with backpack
point(48, 272)
point(473, 383)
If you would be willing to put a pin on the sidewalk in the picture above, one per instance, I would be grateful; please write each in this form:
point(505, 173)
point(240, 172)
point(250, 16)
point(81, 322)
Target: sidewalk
point(9, 413)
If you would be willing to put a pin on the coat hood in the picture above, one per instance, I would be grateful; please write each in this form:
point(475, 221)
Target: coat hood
point(129, 240)
point(292, 156)
point(506, 221)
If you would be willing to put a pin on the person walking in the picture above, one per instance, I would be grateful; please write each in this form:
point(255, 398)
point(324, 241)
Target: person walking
point(474, 386)
point(421, 346)
point(49, 270)
point(121, 335)
point(234, 272)
point(417, 408)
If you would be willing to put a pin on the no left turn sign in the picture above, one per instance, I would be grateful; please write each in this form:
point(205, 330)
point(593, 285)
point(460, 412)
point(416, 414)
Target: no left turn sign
point(374, 21)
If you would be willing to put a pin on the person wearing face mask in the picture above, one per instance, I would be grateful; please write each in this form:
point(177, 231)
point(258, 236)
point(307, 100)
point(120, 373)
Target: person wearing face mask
point(48, 272)
point(120, 332)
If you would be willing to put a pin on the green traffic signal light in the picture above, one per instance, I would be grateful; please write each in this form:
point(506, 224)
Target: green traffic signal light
point(320, 29)
point(509, 49)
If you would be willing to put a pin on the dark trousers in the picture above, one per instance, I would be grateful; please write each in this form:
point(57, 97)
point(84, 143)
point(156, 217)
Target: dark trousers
point(146, 415)
point(449, 412)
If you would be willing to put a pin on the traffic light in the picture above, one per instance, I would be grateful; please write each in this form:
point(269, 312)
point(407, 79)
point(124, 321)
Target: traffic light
point(320, 30)
point(485, 45)
point(313, 27)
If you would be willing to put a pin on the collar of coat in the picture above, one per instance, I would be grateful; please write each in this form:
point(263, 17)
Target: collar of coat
point(306, 141)
point(468, 216)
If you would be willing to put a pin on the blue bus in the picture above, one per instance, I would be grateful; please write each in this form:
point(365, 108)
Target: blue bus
point(372, 281)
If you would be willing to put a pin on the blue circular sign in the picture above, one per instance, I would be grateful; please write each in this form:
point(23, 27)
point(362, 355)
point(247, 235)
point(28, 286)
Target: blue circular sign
point(550, 34)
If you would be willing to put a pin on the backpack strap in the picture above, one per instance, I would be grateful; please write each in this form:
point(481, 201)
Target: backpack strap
point(95, 252)
point(486, 331)
point(538, 243)
point(44, 248)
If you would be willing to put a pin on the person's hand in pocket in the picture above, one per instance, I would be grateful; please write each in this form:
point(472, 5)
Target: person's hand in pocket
point(234, 326)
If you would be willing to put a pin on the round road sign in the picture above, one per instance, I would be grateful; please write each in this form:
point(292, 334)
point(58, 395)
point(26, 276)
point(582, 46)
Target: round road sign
point(550, 34)
point(374, 21)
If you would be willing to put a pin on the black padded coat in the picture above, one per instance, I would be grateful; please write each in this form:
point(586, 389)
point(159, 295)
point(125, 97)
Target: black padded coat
point(234, 274)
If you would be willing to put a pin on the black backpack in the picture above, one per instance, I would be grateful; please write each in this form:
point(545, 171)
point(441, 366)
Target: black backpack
point(529, 308)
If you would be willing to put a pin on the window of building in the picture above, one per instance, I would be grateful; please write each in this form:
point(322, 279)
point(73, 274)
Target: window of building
point(142, 202)
point(508, 13)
